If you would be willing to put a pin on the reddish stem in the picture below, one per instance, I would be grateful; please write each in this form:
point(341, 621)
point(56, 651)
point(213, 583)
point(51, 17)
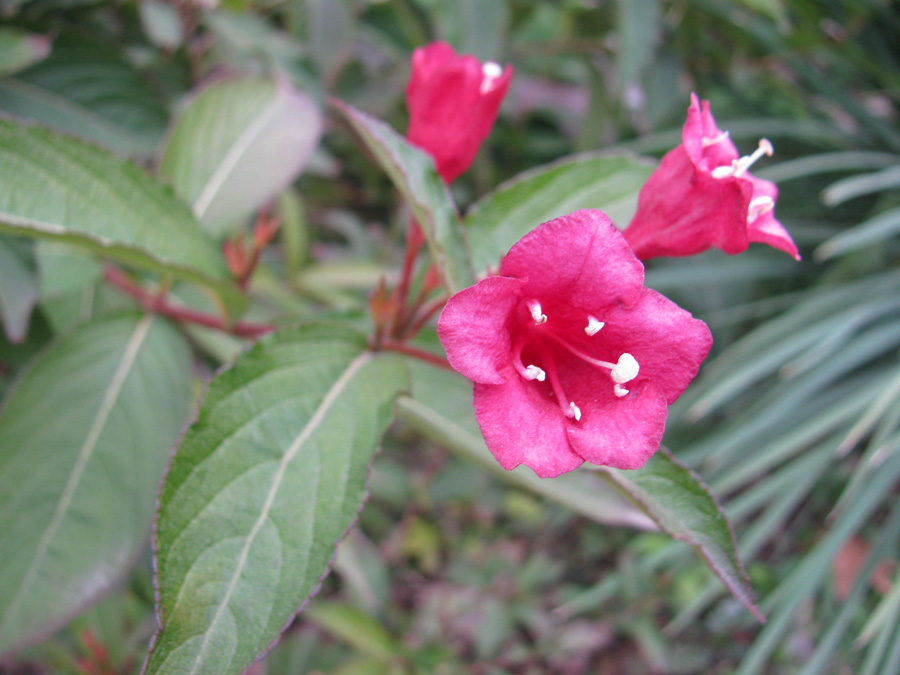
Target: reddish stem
point(159, 305)
point(414, 240)
point(425, 316)
point(417, 353)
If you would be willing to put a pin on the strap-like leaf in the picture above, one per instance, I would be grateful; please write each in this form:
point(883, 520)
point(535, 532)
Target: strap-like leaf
point(84, 437)
point(681, 504)
point(264, 485)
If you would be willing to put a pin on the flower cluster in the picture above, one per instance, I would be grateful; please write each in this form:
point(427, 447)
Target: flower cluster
point(573, 359)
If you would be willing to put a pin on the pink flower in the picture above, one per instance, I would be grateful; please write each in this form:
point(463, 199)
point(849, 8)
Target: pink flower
point(702, 195)
point(573, 360)
point(453, 103)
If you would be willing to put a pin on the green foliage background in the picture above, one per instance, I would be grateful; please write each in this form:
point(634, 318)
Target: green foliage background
point(794, 422)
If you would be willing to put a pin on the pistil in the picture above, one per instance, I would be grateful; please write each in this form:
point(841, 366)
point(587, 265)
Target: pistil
point(738, 167)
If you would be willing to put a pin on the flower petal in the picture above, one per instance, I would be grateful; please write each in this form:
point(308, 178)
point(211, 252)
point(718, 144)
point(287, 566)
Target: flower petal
point(765, 229)
point(622, 432)
point(668, 343)
point(581, 260)
point(521, 426)
point(472, 328)
point(683, 211)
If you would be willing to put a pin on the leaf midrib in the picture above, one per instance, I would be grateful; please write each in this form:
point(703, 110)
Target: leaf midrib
point(129, 355)
point(232, 158)
point(311, 426)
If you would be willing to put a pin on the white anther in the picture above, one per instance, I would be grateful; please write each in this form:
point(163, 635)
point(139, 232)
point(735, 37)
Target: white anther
point(536, 312)
point(534, 373)
point(725, 170)
point(706, 142)
point(574, 411)
point(594, 325)
point(626, 370)
point(491, 72)
point(759, 206)
point(620, 391)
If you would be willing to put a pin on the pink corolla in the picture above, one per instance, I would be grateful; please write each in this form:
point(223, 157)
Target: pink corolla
point(453, 104)
point(572, 358)
point(702, 195)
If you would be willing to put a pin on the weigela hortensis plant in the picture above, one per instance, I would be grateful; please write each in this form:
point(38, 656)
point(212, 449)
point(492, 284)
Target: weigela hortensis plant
point(573, 360)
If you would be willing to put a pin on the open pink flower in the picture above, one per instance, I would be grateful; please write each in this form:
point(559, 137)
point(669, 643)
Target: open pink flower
point(573, 360)
point(702, 196)
point(453, 103)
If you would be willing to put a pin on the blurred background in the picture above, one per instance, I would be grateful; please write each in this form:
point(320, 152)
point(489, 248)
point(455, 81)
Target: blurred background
point(794, 422)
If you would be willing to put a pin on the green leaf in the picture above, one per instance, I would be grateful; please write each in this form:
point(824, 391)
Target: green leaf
point(84, 437)
point(262, 488)
point(87, 89)
point(18, 288)
point(61, 188)
point(237, 144)
point(414, 175)
point(683, 507)
point(19, 49)
point(610, 183)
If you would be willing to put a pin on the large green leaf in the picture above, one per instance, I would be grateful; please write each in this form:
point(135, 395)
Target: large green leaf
point(57, 187)
point(610, 183)
point(237, 144)
point(84, 437)
point(413, 173)
point(681, 504)
point(264, 485)
point(92, 91)
point(18, 288)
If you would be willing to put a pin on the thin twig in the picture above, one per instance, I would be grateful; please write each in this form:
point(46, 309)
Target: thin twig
point(158, 304)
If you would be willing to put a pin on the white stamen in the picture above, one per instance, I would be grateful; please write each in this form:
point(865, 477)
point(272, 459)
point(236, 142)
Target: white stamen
point(626, 369)
point(739, 166)
point(534, 373)
point(536, 313)
point(491, 72)
point(706, 142)
point(759, 206)
point(594, 325)
point(620, 391)
point(574, 411)
point(744, 163)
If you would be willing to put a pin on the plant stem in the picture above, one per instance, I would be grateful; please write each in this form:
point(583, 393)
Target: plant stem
point(157, 304)
point(417, 353)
